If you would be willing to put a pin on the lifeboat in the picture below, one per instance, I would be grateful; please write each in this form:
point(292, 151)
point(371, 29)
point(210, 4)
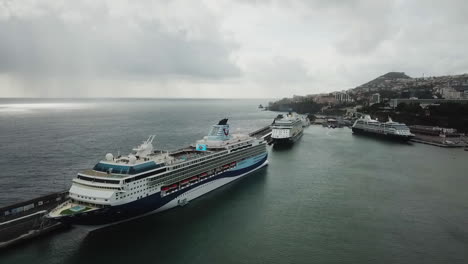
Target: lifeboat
point(193, 179)
point(184, 182)
point(168, 188)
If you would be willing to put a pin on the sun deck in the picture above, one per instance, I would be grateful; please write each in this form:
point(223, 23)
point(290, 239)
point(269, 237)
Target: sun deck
point(91, 172)
point(144, 158)
point(160, 159)
point(188, 154)
point(69, 208)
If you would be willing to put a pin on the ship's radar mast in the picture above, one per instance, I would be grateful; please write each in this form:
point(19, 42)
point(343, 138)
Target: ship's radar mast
point(145, 148)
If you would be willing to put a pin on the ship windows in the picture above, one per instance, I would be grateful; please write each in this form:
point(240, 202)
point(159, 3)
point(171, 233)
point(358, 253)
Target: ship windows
point(91, 179)
point(119, 169)
point(145, 175)
point(109, 168)
point(144, 167)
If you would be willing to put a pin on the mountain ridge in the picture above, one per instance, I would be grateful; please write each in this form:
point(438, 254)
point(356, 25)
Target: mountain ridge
point(382, 80)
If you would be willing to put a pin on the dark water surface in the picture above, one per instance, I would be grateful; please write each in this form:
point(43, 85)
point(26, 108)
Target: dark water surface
point(331, 198)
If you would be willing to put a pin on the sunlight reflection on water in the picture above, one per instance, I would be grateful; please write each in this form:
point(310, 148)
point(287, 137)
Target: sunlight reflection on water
point(30, 107)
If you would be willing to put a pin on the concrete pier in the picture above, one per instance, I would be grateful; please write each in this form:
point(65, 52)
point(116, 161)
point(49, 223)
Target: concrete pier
point(25, 220)
point(264, 132)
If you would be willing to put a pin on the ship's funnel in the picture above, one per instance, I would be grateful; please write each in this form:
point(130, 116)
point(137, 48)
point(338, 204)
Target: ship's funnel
point(223, 122)
point(220, 131)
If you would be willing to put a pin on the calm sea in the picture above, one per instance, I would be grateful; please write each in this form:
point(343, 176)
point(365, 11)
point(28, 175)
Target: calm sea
point(331, 198)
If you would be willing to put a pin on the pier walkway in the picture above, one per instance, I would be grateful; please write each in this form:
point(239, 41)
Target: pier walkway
point(264, 132)
point(26, 219)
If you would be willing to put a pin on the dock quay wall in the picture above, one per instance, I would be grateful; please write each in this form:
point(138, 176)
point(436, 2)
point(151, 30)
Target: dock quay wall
point(264, 132)
point(26, 219)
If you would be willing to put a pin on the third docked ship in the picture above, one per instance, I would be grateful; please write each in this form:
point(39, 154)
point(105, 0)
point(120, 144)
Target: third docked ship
point(390, 129)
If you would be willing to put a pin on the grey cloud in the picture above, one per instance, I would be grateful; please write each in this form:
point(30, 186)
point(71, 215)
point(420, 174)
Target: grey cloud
point(104, 46)
point(280, 70)
point(365, 24)
point(360, 26)
point(256, 47)
point(413, 36)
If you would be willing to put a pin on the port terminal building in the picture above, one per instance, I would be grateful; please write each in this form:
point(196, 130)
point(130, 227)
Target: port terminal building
point(395, 102)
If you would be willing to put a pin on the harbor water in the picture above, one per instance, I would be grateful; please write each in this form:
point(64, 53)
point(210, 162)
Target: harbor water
point(333, 197)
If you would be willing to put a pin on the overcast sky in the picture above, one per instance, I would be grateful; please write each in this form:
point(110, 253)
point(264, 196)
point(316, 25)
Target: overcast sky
point(219, 48)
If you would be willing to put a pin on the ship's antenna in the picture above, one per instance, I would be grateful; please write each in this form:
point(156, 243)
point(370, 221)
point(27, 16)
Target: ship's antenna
point(150, 139)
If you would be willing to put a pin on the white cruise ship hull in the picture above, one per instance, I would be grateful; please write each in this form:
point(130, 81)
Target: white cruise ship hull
point(287, 140)
point(395, 137)
point(155, 203)
point(203, 189)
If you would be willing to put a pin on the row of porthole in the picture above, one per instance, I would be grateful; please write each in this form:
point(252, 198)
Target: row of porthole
point(192, 190)
point(117, 198)
point(85, 197)
point(201, 164)
point(198, 160)
point(227, 158)
point(189, 185)
point(198, 163)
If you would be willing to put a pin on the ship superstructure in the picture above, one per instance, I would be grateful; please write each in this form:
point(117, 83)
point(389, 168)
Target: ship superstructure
point(286, 129)
point(149, 181)
point(390, 129)
point(305, 120)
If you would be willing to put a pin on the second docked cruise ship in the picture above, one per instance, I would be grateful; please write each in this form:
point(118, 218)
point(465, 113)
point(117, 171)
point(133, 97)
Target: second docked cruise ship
point(148, 181)
point(286, 129)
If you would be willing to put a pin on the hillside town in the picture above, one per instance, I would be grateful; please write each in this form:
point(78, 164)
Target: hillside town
point(440, 101)
point(395, 85)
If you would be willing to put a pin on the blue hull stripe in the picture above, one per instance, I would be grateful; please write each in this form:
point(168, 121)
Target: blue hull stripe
point(147, 204)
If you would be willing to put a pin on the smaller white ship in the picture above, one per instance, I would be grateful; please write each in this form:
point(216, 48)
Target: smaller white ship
point(286, 129)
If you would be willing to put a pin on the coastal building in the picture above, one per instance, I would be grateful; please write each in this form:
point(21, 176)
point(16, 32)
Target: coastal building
point(394, 102)
point(326, 99)
point(343, 97)
point(375, 99)
point(435, 131)
point(450, 93)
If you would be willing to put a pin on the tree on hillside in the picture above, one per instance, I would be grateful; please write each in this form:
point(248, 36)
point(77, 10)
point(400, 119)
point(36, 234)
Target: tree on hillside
point(414, 108)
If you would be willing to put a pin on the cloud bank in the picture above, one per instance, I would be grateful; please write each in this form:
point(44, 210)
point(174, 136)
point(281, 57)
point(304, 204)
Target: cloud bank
point(262, 48)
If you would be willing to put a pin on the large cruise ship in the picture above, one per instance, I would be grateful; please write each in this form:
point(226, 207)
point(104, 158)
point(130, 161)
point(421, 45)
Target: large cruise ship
point(390, 129)
point(286, 129)
point(148, 181)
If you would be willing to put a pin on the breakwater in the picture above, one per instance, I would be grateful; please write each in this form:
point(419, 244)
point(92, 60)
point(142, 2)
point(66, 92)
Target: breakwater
point(25, 220)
